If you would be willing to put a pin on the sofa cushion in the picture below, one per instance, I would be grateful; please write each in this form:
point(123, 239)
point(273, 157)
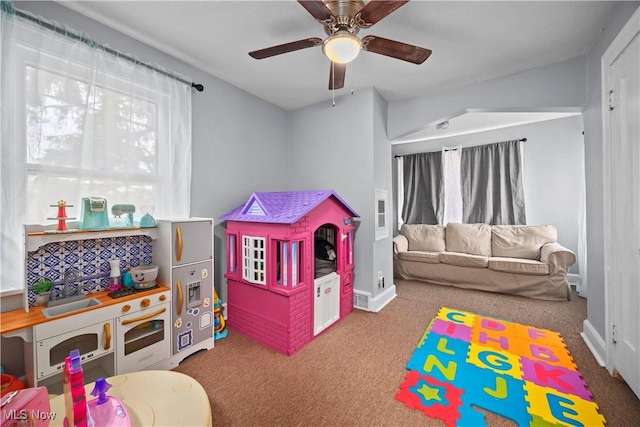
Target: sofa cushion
point(464, 260)
point(424, 237)
point(420, 256)
point(473, 239)
point(521, 241)
point(520, 266)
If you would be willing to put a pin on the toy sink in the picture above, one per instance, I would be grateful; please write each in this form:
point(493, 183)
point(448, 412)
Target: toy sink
point(69, 307)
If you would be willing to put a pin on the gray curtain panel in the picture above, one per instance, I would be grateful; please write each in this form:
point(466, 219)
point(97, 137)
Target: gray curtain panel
point(491, 180)
point(423, 188)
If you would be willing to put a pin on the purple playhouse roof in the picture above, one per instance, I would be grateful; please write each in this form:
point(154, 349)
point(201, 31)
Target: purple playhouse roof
point(285, 207)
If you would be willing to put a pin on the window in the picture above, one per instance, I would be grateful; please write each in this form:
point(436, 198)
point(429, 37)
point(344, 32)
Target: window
point(232, 267)
point(288, 263)
point(480, 184)
point(79, 122)
point(350, 248)
point(253, 259)
point(382, 226)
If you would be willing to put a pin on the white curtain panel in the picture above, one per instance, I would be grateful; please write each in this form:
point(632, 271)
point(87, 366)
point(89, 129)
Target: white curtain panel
point(452, 190)
point(80, 122)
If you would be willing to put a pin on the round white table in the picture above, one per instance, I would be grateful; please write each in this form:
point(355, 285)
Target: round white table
point(152, 398)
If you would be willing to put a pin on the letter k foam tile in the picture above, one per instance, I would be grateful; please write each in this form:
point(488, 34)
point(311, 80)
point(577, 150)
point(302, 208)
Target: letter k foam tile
point(520, 372)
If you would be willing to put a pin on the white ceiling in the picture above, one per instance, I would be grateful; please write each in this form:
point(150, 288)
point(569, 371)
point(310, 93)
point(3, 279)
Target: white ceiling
point(471, 41)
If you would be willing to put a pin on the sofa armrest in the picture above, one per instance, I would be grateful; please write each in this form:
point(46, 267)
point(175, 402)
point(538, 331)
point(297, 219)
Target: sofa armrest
point(400, 244)
point(557, 256)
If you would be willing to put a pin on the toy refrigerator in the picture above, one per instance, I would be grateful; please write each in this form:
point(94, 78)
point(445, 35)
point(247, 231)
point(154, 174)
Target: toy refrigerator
point(184, 253)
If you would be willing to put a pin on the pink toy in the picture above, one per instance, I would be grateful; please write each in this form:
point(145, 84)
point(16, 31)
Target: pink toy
point(102, 411)
point(290, 264)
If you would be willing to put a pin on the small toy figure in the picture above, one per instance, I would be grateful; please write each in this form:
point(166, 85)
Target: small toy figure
point(220, 326)
point(107, 410)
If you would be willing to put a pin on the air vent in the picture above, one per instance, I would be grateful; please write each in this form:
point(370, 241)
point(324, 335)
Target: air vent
point(360, 300)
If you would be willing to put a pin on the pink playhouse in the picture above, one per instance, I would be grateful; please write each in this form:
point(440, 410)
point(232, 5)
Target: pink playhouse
point(289, 266)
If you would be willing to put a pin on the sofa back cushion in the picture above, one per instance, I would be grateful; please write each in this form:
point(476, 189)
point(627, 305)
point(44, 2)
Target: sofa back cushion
point(521, 241)
point(474, 239)
point(424, 237)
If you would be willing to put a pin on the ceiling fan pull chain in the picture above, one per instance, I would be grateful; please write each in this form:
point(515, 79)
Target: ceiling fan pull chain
point(333, 83)
point(353, 69)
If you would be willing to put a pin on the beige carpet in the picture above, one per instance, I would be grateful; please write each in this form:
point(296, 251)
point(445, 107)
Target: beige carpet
point(348, 376)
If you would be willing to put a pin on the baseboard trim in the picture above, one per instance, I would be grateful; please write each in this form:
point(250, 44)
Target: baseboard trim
point(380, 301)
point(594, 342)
point(377, 303)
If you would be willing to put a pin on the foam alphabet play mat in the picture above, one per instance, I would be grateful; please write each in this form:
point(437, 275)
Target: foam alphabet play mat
point(523, 373)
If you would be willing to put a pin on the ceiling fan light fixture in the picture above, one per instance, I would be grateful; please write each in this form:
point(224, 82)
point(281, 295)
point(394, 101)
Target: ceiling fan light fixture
point(341, 47)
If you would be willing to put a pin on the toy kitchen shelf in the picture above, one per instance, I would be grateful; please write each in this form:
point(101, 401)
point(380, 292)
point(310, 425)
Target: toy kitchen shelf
point(38, 235)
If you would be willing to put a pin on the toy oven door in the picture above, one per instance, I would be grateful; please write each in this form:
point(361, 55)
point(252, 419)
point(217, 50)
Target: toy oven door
point(91, 341)
point(143, 338)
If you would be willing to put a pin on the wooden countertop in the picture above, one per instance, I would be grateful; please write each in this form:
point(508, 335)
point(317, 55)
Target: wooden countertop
point(17, 319)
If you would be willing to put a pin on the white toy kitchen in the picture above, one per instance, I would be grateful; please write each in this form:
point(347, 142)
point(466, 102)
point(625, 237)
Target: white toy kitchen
point(114, 335)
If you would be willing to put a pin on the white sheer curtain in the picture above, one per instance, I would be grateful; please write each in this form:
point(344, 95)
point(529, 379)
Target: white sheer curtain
point(400, 198)
point(80, 122)
point(452, 190)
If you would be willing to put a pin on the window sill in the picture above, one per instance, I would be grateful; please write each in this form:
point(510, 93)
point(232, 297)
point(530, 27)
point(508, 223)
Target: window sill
point(11, 300)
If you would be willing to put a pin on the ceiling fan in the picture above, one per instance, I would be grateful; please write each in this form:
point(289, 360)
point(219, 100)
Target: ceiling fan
point(342, 20)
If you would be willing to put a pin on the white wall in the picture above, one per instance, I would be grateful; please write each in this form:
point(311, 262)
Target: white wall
point(332, 149)
point(382, 180)
point(553, 159)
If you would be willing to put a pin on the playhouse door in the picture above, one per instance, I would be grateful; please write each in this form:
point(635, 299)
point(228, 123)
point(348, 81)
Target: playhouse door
point(326, 302)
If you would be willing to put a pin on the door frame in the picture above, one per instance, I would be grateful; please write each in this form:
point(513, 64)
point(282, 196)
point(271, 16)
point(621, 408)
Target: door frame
point(622, 40)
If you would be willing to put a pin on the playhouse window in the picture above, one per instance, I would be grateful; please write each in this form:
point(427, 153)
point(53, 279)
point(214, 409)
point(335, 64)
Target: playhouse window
point(288, 262)
point(350, 248)
point(253, 259)
point(232, 265)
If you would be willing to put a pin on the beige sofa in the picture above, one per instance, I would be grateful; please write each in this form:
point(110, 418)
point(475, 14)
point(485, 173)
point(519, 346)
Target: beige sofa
point(513, 259)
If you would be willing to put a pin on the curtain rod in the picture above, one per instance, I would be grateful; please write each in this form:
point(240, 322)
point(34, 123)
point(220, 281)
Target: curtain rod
point(197, 86)
point(397, 155)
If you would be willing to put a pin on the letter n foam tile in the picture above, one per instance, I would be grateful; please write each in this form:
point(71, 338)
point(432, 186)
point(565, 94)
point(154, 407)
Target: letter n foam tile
point(561, 409)
point(440, 357)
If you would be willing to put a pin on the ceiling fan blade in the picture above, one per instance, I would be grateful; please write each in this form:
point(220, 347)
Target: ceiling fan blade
point(317, 9)
point(394, 49)
point(375, 10)
point(285, 48)
point(336, 75)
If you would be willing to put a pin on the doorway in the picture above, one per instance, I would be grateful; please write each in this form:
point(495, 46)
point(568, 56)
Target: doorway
point(621, 109)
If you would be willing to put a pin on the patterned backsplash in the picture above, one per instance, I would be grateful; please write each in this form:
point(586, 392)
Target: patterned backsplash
point(89, 259)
